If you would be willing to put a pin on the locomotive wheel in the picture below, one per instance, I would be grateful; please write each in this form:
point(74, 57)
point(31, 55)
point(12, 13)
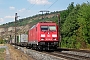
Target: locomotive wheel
point(39, 48)
point(33, 47)
point(27, 47)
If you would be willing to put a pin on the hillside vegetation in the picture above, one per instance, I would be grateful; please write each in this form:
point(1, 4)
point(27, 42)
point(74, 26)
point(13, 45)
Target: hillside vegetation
point(32, 20)
point(75, 25)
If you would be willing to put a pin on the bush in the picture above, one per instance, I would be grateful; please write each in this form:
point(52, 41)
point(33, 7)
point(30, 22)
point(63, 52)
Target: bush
point(2, 41)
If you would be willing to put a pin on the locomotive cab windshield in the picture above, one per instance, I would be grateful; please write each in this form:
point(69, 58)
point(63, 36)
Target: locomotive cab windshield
point(48, 28)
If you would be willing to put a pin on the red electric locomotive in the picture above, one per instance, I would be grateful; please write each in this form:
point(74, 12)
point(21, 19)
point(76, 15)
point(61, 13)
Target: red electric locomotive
point(43, 36)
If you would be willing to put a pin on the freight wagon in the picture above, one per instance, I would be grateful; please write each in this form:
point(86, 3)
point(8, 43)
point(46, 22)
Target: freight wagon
point(22, 40)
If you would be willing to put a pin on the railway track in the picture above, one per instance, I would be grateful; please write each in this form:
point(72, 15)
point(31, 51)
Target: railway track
point(65, 49)
point(68, 56)
point(71, 54)
point(76, 55)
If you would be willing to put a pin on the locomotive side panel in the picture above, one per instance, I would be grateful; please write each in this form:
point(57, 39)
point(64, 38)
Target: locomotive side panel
point(32, 35)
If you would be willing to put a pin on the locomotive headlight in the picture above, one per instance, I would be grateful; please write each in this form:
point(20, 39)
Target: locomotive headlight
point(54, 38)
point(54, 35)
point(42, 35)
point(42, 38)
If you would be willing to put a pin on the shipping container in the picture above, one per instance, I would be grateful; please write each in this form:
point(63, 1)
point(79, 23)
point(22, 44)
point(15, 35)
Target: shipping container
point(23, 39)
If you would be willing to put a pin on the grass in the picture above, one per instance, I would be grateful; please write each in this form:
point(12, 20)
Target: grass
point(2, 53)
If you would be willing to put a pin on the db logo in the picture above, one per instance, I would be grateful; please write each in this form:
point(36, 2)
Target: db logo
point(48, 35)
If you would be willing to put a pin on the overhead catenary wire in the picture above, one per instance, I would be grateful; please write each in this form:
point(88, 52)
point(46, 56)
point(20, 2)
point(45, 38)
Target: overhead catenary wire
point(52, 4)
point(48, 8)
point(43, 5)
point(29, 8)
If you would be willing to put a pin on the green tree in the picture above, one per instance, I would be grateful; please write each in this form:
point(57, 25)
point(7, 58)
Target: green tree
point(69, 28)
point(84, 23)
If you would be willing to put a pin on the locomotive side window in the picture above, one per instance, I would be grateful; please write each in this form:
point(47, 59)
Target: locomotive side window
point(44, 28)
point(52, 28)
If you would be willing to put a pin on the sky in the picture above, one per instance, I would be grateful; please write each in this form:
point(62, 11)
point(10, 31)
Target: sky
point(27, 8)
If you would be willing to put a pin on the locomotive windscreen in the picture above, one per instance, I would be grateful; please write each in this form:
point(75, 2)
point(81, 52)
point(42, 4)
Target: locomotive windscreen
point(52, 28)
point(45, 28)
